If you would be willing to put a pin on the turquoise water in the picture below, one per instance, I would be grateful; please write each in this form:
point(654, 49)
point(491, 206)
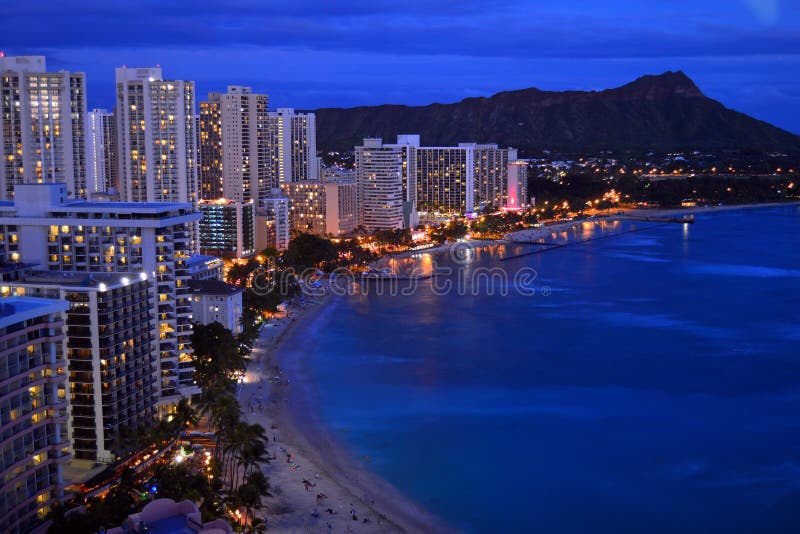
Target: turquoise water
point(655, 388)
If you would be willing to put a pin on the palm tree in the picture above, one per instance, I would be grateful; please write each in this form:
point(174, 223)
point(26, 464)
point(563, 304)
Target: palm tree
point(251, 455)
point(184, 416)
point(225, 415)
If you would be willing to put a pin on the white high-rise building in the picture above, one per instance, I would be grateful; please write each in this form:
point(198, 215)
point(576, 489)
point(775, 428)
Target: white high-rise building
point(293, 146)
point(112, 359)
point(233, 141)
point(101, 157)
point(149, 239)
point(33, 444)
point(379, 175)
point(491, 173)
point(42, 122)
point(517, 190)
point(157, 140)
point(272, 222)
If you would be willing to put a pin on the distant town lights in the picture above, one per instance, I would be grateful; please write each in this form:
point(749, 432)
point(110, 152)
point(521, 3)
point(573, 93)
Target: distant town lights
point(125, 281)
point(143, 276)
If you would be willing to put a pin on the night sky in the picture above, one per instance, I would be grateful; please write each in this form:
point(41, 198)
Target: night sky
point(314, 53)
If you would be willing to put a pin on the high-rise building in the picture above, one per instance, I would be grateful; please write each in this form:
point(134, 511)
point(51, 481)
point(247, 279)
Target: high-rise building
point(273, 225)
point(33, 411)
point(292, 144)
point(517, 196)
point(235, 161)
point(42, 126)
point(156, 136)
point(445, 180)
point(379, 175)
point(226, 228)
point(101, 152)
point(341, 206)
point(210, 128)
point(491, 173)
point(112, 357)
point(306, 206)
point(42, 227)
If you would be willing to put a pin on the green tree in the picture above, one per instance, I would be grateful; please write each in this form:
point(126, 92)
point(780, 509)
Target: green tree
point(309, 251)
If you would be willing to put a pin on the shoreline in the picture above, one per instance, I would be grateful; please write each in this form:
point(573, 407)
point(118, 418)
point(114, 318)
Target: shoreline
point(634, 215)
point(329, 465)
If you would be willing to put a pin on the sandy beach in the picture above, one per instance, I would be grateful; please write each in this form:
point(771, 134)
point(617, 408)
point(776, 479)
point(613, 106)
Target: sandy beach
point(279, 395)
point(672, 212)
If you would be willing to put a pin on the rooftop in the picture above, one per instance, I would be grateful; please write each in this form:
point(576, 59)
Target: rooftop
point(213, 287)
point(196, 259)
point(17, 309)
point(100, 281)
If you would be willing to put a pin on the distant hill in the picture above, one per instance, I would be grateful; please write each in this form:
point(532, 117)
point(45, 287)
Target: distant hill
point(662, 112)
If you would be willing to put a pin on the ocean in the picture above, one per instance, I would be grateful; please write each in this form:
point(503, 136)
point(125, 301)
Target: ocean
point(651, 382)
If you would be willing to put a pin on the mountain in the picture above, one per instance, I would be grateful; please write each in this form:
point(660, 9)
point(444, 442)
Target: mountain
point(661, 112)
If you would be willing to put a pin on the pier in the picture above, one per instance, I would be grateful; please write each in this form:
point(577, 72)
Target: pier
point(682, 219)
point(554, 246)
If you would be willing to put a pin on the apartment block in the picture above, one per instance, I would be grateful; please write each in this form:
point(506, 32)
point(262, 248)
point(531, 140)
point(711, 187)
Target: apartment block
point(491, 173)
point(306, 206)
point(157, 142)
point(42, 227)
point(235, 162)
point(33, 411)
point(380, 172)
point(272, 222)
point(293, 146)
point(227, 228)
point(42, 126)
point(101, 152)
point(341, 206)
point(112, 358)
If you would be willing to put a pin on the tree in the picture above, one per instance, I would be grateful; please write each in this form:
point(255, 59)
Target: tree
point(309, 251)
point(183, 416)
point(217, 358)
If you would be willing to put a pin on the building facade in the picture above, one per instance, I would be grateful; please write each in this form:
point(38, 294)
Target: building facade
point(157, 142)
point(379, 178)
point(491, 173)
point(33, 411)
point(306, 206)
point(517, 196)
point(210, 148)
point(445, 180)
point(42, 126)
point(216, 301)
point(227, 228)
point(42, 227)
point(293, 146)
point(273, 226)
point(101, 152)
point(112, 357)
point(234, 135)
point(201, 267)
point(341, 207)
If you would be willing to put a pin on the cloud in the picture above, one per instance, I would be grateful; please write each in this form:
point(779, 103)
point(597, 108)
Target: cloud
point(471, 28)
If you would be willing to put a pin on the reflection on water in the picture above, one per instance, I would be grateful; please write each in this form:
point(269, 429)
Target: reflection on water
point(644, 382)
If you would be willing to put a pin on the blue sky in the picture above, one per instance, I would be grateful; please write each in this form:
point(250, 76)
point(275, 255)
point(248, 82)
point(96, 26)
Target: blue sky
point(314, 53)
